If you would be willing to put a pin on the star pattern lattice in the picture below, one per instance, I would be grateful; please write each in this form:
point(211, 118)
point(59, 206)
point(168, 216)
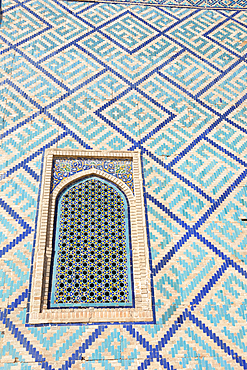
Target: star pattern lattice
point(91, 265)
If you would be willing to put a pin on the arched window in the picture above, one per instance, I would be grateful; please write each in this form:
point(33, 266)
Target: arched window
point(91, 255)
point(92, 252)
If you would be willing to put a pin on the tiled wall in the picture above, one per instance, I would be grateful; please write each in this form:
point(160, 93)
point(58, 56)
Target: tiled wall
point(172, 82)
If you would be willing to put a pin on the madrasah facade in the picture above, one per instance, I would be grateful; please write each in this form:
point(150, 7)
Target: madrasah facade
point(123, 185)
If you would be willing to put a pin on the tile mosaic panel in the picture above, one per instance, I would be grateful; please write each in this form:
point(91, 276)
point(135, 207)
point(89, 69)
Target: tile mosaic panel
point(64, 168)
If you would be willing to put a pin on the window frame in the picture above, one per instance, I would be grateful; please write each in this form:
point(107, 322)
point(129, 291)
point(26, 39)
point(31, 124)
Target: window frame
point(39, 309)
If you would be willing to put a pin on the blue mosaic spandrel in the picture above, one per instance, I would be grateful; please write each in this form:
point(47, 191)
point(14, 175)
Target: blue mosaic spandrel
point(65, 167)
point(92, 251)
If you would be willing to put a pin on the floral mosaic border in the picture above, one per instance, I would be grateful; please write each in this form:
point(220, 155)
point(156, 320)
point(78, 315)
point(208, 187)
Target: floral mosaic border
point(65, 167)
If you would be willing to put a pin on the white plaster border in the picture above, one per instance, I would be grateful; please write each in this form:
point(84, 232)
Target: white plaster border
point(142, 311)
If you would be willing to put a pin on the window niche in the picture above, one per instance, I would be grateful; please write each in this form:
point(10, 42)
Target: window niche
point(91, 260)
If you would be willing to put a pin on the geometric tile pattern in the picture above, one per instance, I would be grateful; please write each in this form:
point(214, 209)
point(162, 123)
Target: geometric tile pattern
point(166, 80)
point(213, 4)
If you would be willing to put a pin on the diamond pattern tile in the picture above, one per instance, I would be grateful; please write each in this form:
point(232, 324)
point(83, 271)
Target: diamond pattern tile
point(171, 82)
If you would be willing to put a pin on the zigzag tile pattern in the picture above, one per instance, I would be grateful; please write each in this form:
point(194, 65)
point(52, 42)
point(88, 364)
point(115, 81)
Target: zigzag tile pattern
point(171, 82)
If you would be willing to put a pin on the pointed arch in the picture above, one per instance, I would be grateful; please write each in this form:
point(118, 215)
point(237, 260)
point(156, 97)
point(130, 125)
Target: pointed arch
point(92, 248)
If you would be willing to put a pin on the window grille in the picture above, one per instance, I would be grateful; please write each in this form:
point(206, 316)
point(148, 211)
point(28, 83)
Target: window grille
point(92, 254)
